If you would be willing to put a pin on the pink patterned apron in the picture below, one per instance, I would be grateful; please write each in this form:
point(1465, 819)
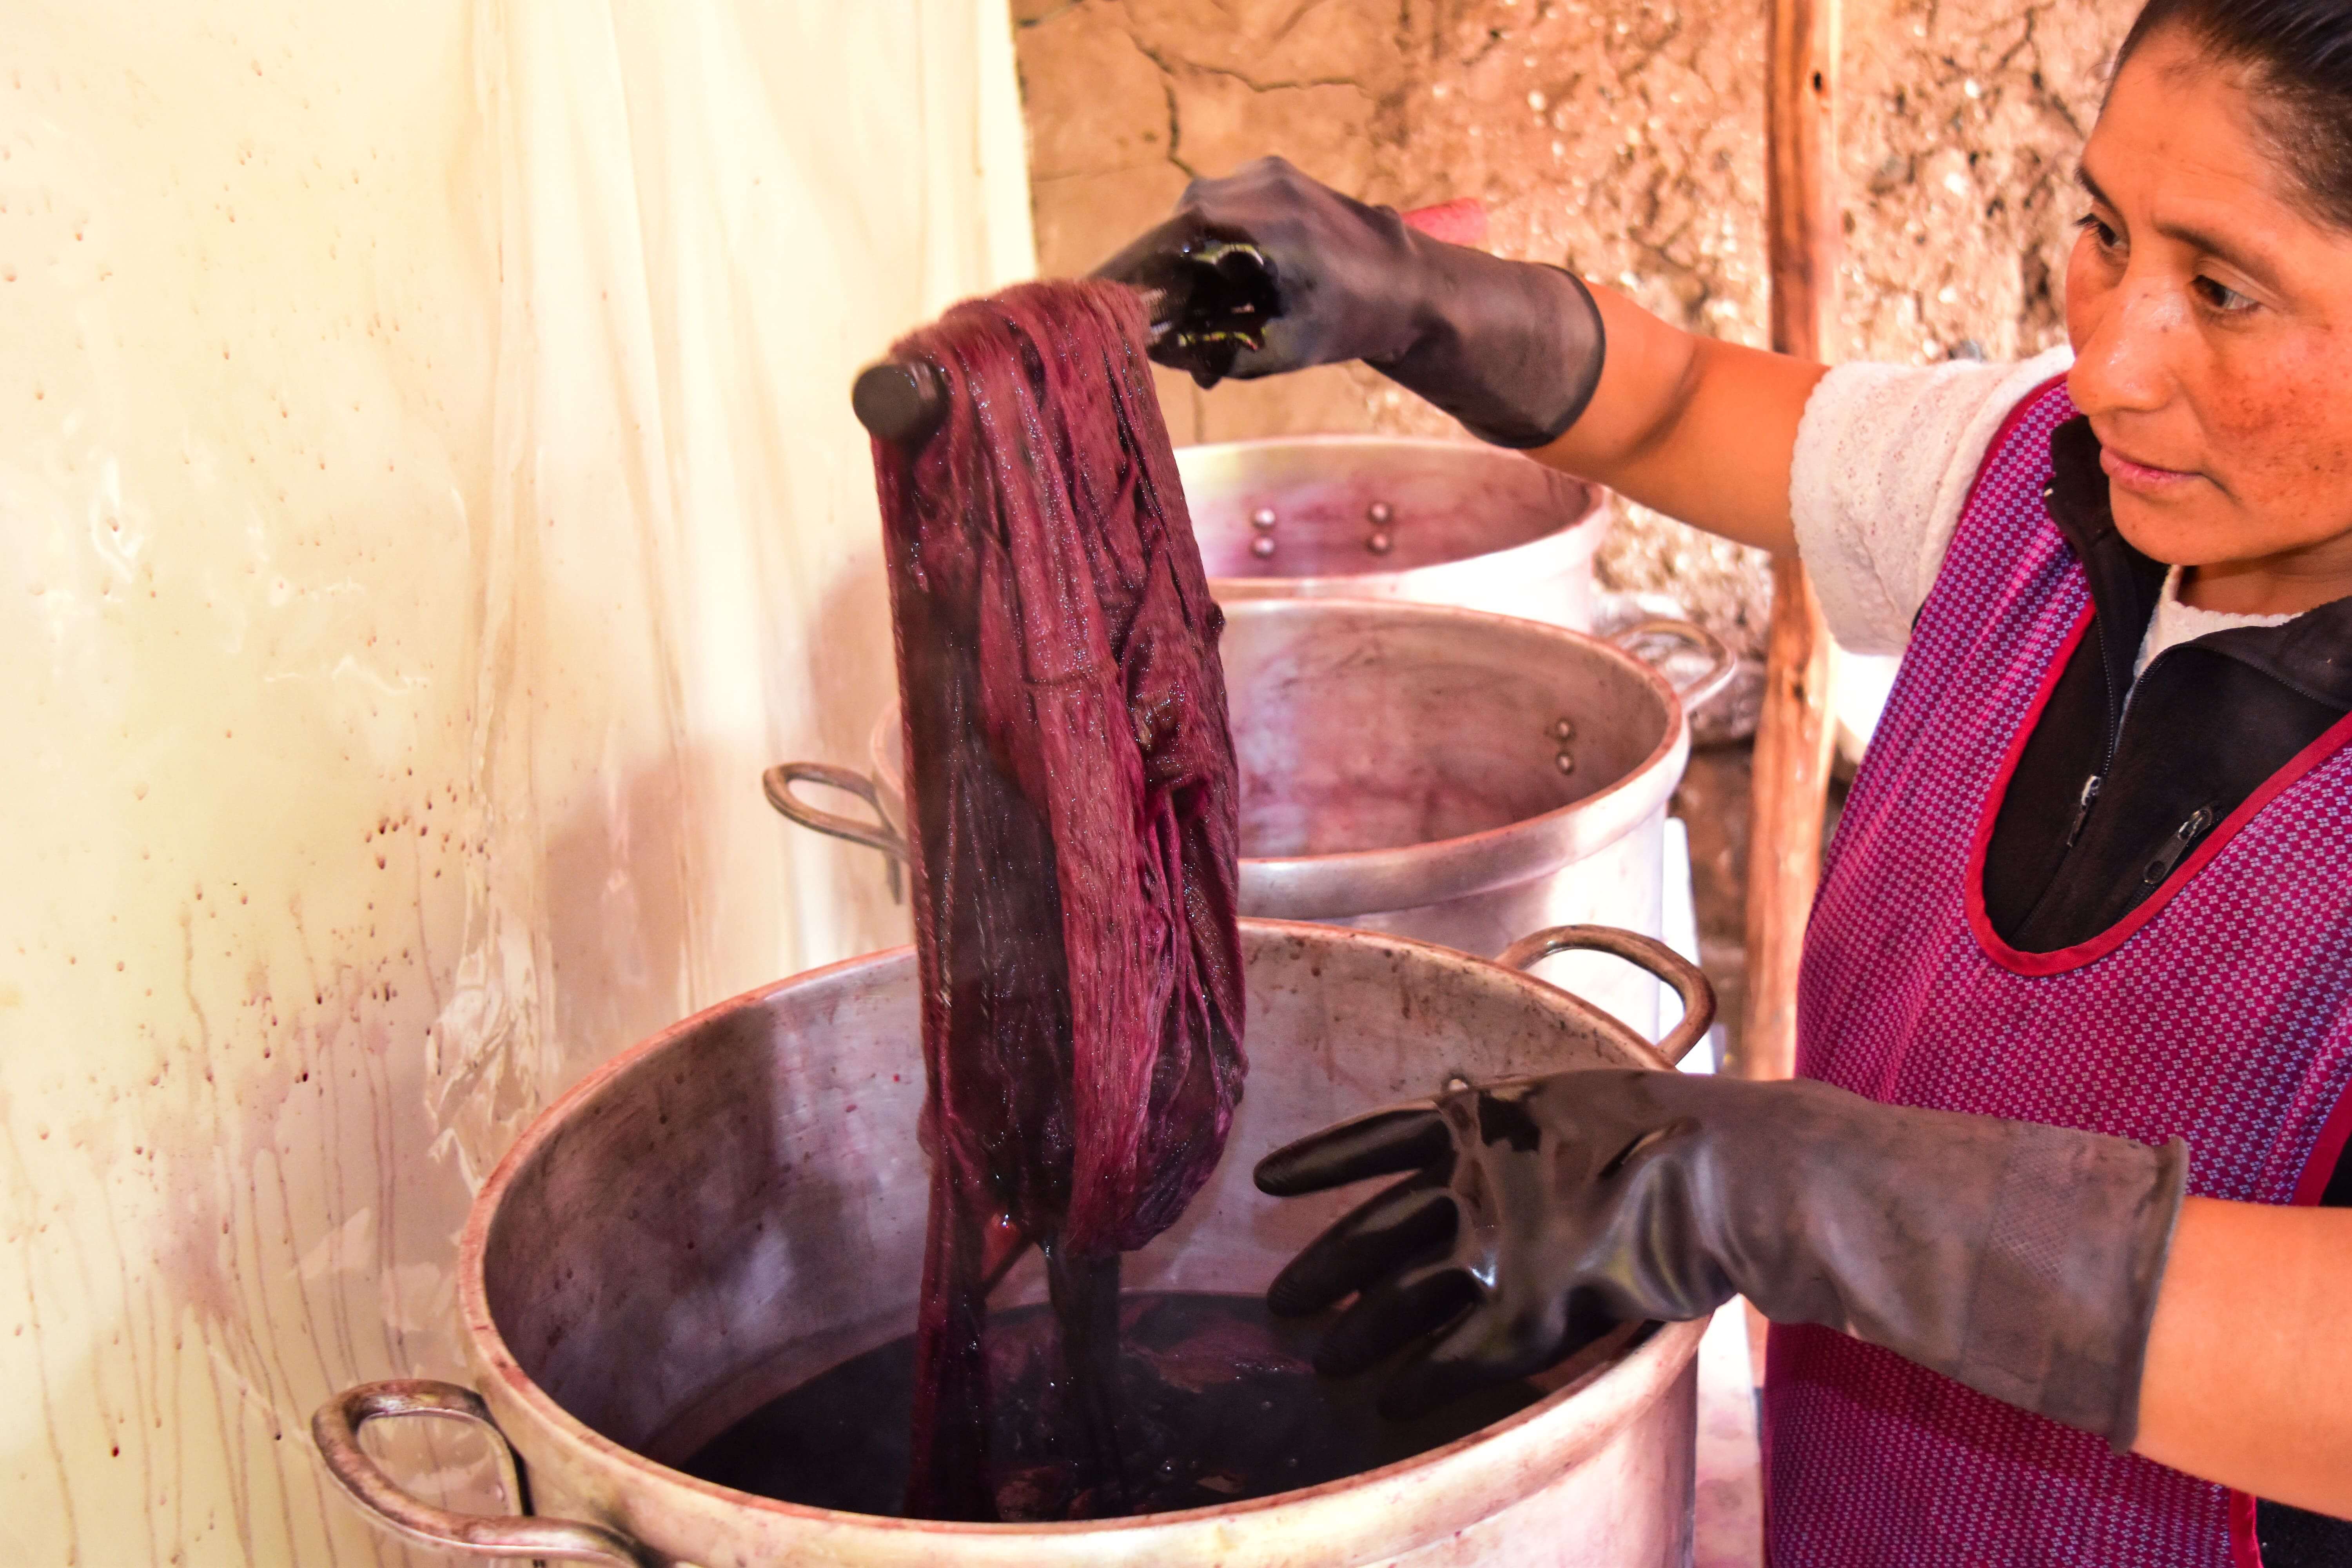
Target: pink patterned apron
point(2219, 1010)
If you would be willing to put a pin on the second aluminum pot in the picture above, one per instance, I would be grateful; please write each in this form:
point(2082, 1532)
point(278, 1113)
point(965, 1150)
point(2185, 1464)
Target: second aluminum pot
point(1420, 769)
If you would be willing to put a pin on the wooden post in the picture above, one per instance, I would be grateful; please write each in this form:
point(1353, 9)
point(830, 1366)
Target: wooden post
point(1795, 733)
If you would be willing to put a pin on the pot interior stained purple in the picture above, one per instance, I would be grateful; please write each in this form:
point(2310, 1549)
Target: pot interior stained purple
point(1363, 729)
point(739, 1204)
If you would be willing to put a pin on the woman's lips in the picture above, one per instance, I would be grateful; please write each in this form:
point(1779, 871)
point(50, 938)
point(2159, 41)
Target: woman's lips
point(2144, 478)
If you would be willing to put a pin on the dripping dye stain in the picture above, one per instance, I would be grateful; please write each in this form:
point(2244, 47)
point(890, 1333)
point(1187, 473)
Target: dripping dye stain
point(1218, 1405)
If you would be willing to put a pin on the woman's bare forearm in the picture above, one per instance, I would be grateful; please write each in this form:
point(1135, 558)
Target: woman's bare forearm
point(1697, 428)
point(2249, 1378)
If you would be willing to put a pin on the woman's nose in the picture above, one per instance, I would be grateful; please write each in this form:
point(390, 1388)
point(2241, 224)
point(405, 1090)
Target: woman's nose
point(2125, 364)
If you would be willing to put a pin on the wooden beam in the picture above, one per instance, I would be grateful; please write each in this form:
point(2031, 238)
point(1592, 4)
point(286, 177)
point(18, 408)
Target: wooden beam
point(1795, 733)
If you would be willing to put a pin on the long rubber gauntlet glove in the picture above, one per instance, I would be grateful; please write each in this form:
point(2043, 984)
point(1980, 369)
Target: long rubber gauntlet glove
point(1266, 271)
point(2020, 1259)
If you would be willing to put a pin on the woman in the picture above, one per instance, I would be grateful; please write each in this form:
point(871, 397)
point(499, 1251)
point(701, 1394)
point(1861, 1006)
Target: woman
point(2052, 1227)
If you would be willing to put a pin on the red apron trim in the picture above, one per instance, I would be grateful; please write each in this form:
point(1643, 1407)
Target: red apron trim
point(2334, 1133)
point(2331, 741)
point(1981, 922)
point(2245, 1546)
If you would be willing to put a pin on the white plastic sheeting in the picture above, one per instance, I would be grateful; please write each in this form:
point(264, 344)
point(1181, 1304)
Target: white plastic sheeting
point(427, 500)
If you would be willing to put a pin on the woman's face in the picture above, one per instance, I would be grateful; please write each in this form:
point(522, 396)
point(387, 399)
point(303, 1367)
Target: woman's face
point(2211, 319)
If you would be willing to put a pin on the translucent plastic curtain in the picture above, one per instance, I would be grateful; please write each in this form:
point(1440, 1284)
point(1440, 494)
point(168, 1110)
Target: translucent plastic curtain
point(427, 500)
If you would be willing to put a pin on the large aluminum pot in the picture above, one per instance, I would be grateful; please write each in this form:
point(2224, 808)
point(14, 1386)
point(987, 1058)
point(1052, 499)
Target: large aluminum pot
point(1376, 516)
point(1420, 769)
point(739, 1203)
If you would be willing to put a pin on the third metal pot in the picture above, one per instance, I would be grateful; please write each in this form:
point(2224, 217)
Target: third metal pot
point(1380, 517)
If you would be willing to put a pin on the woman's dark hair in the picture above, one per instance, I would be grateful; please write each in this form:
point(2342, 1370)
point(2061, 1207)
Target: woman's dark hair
point(2298, 56)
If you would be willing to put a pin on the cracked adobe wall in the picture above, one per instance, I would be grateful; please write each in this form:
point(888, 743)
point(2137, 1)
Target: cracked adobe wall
point(1624, 140)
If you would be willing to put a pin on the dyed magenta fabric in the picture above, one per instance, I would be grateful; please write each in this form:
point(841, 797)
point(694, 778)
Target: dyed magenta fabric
point(2220, 1011)
point(1074, 823)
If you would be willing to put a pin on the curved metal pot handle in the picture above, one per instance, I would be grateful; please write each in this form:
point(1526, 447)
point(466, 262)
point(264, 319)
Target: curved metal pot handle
point(1722, 663)
point(336, 1429)
point(1645, 953)
point(777, 784)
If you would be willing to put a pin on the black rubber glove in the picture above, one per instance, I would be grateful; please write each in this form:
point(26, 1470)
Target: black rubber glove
point(2023, 1260)
point(1266, 271)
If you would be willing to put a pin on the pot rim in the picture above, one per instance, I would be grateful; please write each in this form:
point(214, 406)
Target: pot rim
point(1574, 539)
point(1354, 882)
point(1516, 1446)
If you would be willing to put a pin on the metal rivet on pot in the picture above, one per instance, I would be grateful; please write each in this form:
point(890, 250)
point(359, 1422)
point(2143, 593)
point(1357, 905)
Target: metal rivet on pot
point(1262, 546)
point(1380, 513)
point(1561, 730)
point(1262, 518)
point(1380, 543)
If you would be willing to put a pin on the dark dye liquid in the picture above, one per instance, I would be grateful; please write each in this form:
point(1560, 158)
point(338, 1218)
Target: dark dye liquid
point(1218, 1403)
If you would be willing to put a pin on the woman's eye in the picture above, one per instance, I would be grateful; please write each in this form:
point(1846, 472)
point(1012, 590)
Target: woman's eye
point(2221, 297)
point(2101, 235)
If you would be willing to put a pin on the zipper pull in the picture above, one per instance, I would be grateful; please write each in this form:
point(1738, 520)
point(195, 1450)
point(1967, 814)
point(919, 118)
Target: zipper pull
point(2184, 838)
point(2083, 807)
